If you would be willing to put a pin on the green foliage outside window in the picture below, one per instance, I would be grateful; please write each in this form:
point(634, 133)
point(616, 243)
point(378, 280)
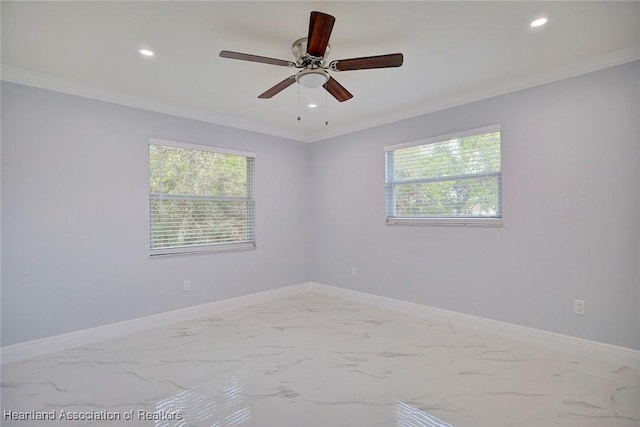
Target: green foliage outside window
point(199, 197)
point(459, 177)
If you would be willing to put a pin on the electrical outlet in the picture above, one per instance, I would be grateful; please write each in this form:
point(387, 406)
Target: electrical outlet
point(354, 272)
point(187, 285)
point(579, 307)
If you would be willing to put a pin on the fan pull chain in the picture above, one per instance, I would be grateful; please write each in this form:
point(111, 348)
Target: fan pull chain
point(298, 102)
point(326, 108)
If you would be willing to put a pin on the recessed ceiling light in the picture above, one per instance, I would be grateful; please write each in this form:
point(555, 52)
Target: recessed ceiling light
point(539, 22)
point(146, 52)
point(313, 105)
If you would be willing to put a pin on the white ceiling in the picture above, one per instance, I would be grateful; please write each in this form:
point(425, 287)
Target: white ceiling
point(454, 52)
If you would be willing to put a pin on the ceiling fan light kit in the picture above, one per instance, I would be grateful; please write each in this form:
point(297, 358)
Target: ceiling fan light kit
point(312, 78)
point(311, 57)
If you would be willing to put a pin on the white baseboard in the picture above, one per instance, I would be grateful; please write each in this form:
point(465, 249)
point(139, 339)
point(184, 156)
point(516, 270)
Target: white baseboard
point(558, 342)
point(35, 348)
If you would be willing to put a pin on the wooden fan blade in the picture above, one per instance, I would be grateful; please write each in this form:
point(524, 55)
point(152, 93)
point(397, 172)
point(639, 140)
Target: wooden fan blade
point(278, 88)
point(367, 62)
point(255, 58)
point(320, 26)
point(337, 90)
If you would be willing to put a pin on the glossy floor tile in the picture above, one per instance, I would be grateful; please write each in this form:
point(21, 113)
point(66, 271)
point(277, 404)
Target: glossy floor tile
point(317, 361)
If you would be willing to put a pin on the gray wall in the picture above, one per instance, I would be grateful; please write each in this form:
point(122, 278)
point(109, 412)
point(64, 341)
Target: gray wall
point(571, 197)
point(75, 216)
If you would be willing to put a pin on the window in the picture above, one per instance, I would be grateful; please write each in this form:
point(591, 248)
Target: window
point(454, 179)
point(200, 198)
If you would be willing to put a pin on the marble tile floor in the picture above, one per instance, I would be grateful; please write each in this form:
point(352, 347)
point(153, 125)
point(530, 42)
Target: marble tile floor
point(316, 361)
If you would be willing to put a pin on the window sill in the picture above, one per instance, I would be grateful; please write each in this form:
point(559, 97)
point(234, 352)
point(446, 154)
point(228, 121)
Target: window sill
point(468, 222)
point(200, 250)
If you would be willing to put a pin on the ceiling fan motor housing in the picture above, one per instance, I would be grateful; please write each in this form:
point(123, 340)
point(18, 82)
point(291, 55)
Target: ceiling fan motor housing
point(303, 59)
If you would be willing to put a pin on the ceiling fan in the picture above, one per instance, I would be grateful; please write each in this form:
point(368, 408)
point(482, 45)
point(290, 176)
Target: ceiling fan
point(311, 57)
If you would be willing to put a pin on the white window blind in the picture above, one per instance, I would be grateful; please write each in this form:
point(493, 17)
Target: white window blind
point(200, 198)
point(454, 179)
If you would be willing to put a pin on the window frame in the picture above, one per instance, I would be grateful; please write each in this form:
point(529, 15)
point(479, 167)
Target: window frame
point(209, 247)
point(491, 221)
